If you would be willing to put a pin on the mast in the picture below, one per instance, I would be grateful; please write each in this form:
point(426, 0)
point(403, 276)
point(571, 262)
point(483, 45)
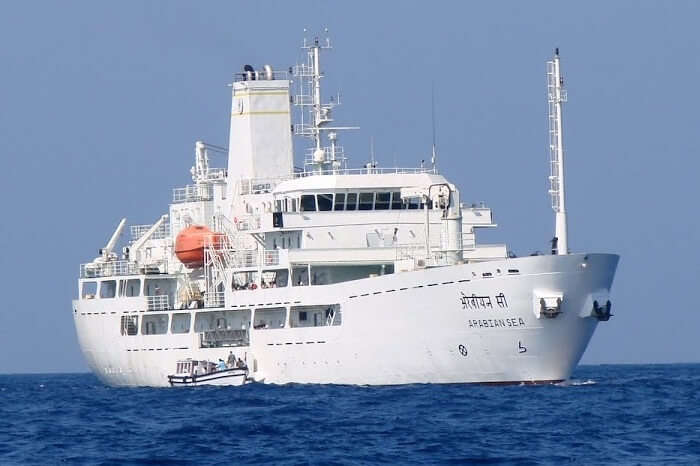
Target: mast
point(433, 157)
point(556, 96)
point(315, 50)
point(320, 158)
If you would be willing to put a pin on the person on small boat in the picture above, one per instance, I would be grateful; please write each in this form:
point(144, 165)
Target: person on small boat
point(221, 366)
point(231, 361)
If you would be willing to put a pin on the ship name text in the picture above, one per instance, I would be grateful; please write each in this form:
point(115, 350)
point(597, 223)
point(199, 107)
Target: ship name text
point(476, 303)
point(495, 323)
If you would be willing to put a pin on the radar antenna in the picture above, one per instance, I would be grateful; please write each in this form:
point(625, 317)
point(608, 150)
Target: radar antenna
point(556, 96)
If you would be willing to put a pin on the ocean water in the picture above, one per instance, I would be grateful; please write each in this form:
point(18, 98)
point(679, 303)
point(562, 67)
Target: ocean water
point(613, 414)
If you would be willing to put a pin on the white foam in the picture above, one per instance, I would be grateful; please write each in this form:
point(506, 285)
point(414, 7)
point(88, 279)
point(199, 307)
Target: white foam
point(576, 383)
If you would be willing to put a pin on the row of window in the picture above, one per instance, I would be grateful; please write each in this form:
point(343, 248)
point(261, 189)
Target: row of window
point(126, 288)
point(349, 201)
point(231, 321)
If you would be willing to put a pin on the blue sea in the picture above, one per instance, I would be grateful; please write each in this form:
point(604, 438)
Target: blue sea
point(611, 414)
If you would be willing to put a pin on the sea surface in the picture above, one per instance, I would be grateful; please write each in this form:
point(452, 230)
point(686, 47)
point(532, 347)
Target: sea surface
point(610, 414)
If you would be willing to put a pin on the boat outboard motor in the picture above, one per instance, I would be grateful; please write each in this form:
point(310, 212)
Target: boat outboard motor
point(249, 72)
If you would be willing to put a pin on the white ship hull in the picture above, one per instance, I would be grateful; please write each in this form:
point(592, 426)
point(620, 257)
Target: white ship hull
point(454, 324)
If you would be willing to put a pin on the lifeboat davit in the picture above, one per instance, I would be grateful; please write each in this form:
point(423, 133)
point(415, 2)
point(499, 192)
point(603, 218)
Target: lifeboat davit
point(190, 244)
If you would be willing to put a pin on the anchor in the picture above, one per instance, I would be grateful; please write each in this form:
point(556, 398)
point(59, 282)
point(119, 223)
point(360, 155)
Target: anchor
point(602, 313)
point(550, 312)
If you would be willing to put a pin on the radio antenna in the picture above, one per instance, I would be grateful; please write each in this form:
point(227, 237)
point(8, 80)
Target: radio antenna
point(433, 157)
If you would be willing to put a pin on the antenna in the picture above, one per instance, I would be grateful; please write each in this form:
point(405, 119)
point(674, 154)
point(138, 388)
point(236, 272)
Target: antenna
point(372, 160)
point(556, 96)
point(433, 157)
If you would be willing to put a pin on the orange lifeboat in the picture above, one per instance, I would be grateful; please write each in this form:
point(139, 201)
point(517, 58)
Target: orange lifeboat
point(190, 244)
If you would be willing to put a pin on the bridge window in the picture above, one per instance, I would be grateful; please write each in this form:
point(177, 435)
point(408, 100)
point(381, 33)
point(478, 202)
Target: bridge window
point(340, 201)
point(108, 289)
point(366, 201)
point(130, 288)
point(351, 202)
point(308, 203)
point(396, 202)
point(383, 201)
point(325, 202)
point(89, 290)
point(180, 323)
point(414, 203)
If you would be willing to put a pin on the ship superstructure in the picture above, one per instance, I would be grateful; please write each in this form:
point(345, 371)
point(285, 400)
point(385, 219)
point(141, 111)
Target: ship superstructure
point(331, 274)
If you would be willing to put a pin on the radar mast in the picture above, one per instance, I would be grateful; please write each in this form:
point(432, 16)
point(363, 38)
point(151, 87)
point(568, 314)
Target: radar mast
point(319, 158)
point(556, 96)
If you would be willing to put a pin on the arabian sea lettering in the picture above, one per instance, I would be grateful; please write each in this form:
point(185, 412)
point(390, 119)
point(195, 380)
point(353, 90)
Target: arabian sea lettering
point(493, 323)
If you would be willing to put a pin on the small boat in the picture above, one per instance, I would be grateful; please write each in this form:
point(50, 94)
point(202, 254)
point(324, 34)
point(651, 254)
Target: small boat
point(191, 372)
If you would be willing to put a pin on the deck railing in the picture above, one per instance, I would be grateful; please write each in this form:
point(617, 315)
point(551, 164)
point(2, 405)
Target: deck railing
point(117, 268)
point(271, 257)
point(193, 193)
point(416, 252)
point(137, 231)
point(248, 258)
point(247, 222)
point(108, 269)
point(214, 299)
point(157, 303)
point(218, 338)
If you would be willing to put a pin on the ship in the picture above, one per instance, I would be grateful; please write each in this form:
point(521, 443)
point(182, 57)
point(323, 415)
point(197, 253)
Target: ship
point(328, 274)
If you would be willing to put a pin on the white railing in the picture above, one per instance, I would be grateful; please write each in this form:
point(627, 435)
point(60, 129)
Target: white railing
point(157, 303)
point(249, 258)
point(214, 299)
point(231, 257)
point(108, 269)
point(218, 338)
point(416, 253)
point(137, 231)
point(271, 257)
point(193, 193)
point(215, 174)
point(246, 223)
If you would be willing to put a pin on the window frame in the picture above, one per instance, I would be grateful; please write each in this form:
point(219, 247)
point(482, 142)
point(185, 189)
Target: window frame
point(385, 205)
point(360, 203)
point(325, 197)
point(396, 202)
point(342, 203)
point(354, 201)
point(301, 203)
